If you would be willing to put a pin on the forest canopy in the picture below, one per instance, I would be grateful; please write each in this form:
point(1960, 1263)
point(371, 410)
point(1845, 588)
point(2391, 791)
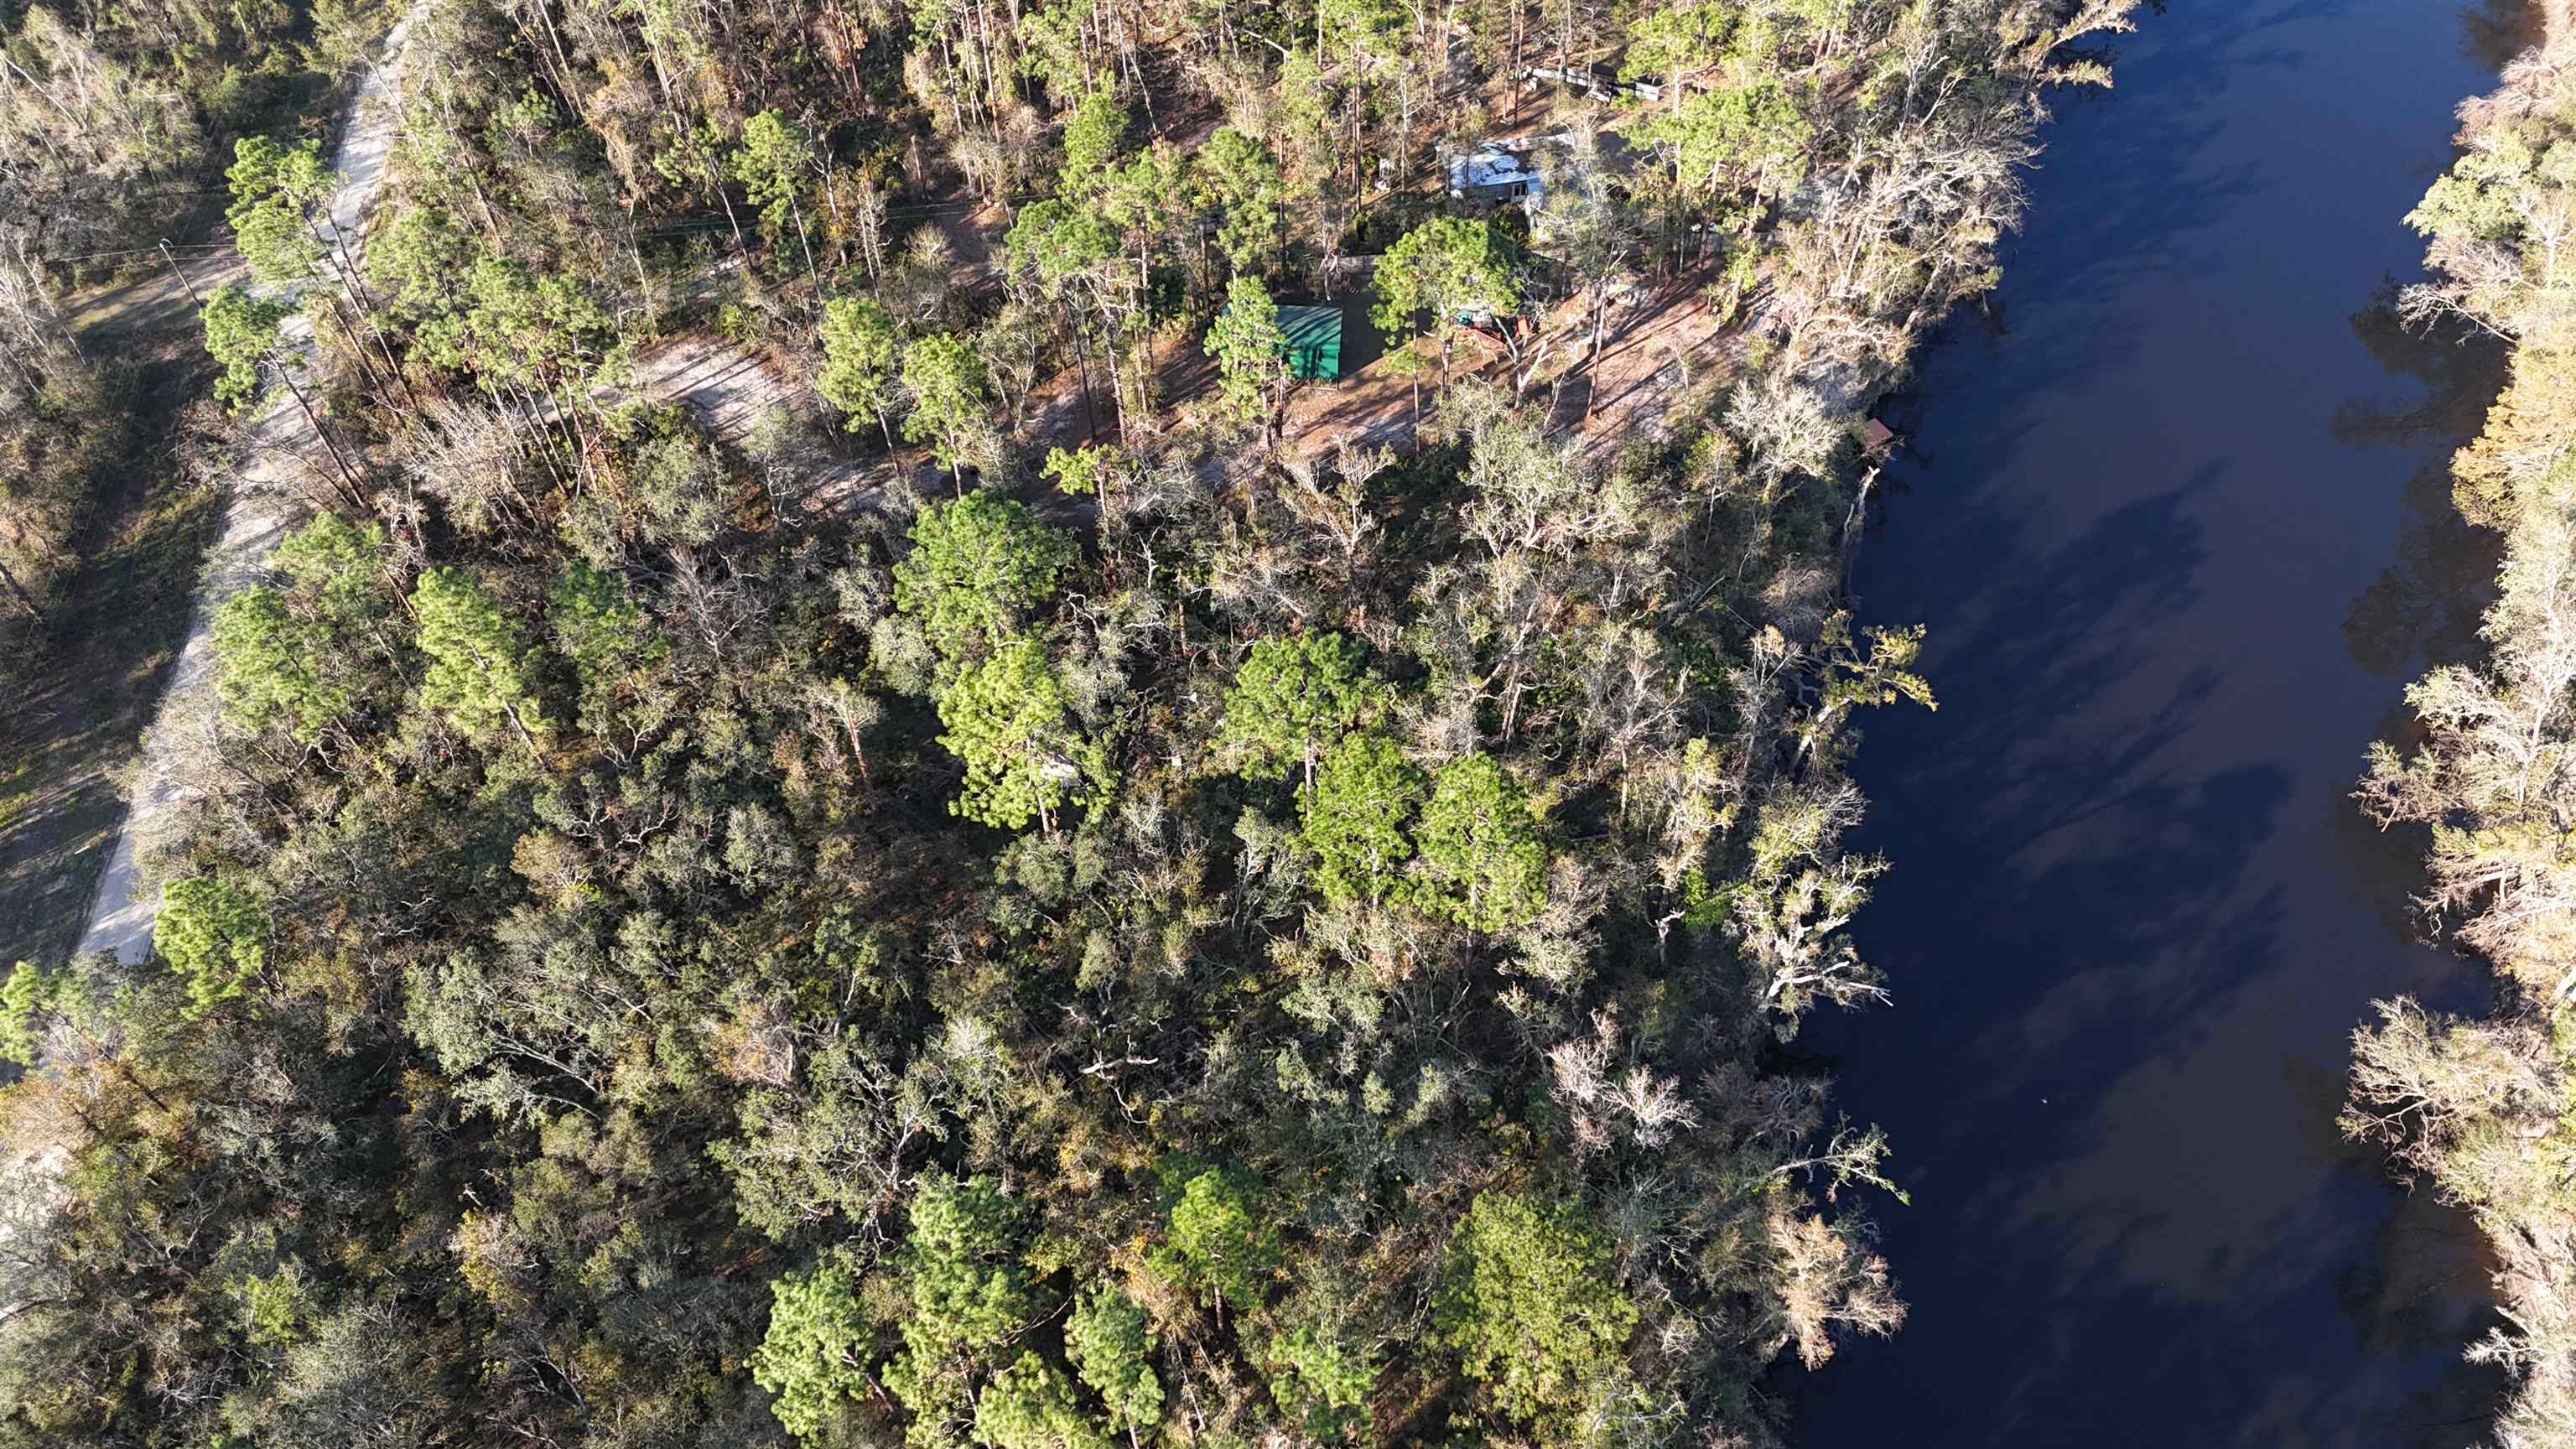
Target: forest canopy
point(1022, 896)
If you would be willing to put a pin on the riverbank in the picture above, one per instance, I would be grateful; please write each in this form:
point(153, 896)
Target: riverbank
point(2483, 1104)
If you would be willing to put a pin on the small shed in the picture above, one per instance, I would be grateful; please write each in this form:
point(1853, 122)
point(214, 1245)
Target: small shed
point(1876, 437)
point(1497, 171)
point(1314, 345)
point(1599, 81)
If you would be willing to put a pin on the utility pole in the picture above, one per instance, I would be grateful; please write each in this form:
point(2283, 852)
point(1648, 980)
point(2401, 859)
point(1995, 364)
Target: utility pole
point(349, 480)
point(25, 600)
point(184, 279)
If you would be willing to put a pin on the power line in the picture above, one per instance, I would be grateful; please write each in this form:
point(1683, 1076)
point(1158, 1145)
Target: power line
point(138, 251)
point(683, 228)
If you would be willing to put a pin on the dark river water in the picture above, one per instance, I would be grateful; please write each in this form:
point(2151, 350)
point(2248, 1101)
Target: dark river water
point(2176, 520)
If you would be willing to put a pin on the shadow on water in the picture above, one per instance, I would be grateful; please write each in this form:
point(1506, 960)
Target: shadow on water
point(2116, 237)
point(2495, 31)
point(2424, 608)
point(2180, 531)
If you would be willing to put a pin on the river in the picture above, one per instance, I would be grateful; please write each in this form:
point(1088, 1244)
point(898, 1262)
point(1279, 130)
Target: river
point(2176, 520)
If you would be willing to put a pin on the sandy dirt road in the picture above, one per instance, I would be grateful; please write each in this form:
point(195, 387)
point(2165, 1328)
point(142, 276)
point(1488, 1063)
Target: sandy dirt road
point(280, 443)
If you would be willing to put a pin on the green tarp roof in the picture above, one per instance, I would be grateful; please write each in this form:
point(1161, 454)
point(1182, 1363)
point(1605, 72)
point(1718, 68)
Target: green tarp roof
point(1311, 326)
point(1314, 341)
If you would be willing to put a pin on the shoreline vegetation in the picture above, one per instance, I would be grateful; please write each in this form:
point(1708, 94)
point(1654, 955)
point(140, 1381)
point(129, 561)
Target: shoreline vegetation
point(2485, 1108)
point(980, 863)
